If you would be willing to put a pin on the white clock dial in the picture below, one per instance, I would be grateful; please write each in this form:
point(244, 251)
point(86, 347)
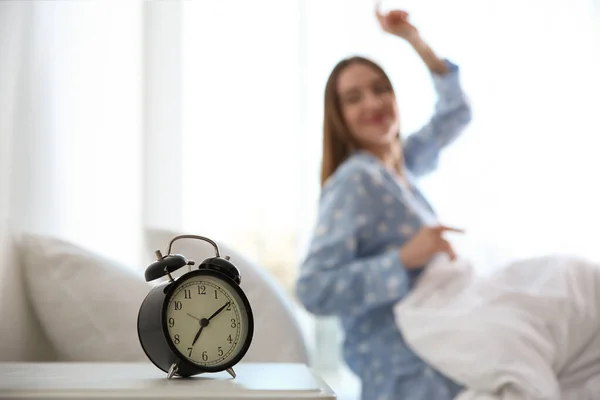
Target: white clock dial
point(207, 321)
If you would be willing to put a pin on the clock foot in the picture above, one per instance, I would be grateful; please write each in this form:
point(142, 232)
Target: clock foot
point(172, 370)
point(231, 372)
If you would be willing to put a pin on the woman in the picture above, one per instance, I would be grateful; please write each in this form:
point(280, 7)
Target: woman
point(375, 229)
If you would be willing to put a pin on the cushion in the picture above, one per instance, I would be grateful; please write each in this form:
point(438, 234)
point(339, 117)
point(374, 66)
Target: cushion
point(87, 304)
point(21, 336)
point(277, 335)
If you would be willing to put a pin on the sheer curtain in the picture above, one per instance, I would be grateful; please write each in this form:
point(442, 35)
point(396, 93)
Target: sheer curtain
point(71, 122)
point(242, 129)
point(87, 125)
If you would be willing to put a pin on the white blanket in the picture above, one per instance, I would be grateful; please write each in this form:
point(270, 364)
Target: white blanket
point(528, 331)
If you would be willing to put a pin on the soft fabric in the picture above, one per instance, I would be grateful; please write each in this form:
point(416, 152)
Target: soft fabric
point(21, 336)
point(528, 331)
point(353, 270)
point(87, 304)
point(277, 336)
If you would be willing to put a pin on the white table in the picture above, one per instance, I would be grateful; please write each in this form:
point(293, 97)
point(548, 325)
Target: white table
point(145, 381)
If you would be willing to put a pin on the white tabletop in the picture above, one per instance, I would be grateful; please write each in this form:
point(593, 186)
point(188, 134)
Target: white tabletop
point(145, 381)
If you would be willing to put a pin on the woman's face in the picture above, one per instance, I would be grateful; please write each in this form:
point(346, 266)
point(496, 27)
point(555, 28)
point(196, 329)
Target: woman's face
point(368, 106)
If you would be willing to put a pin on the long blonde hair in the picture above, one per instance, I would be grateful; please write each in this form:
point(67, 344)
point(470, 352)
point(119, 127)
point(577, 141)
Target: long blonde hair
point(338, 143)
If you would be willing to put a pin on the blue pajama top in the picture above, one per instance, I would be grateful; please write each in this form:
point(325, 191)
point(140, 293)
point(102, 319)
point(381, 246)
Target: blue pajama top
point(353, 269)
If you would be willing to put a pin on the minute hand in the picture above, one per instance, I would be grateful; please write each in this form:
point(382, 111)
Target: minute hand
point(218, 311)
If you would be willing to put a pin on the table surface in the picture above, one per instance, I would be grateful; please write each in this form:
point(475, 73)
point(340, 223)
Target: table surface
point(51, 380)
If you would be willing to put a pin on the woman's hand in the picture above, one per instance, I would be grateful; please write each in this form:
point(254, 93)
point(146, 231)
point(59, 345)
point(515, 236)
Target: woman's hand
point(425, 244)
point(396, 22)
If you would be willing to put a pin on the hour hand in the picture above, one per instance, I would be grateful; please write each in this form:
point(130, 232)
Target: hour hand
point(197, 335)
point(203, 323)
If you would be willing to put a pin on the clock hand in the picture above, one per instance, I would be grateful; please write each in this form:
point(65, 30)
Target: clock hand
point(197, 335)
point(203, 323)
point(193, 316)
point(218, 311)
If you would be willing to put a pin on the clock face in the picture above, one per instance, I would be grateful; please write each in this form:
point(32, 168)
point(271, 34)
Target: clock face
point(208, 321)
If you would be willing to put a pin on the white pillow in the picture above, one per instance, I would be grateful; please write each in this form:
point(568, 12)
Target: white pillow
point(21, 336)
point(87, 304)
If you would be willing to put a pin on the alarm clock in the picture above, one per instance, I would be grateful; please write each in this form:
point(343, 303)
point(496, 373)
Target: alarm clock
point(198, 323)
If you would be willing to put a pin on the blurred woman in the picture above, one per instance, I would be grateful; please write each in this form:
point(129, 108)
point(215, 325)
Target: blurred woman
point(376, 231)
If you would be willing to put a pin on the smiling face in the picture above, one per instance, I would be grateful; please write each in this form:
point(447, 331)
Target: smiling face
point(368, 106)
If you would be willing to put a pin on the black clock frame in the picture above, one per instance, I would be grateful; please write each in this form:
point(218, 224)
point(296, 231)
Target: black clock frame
point(153, 332)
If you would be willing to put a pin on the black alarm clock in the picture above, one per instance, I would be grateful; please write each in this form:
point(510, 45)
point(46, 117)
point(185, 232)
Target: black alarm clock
point(198, 323)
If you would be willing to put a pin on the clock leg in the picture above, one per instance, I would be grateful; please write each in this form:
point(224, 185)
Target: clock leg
point(172, 370)
point(231, 372)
